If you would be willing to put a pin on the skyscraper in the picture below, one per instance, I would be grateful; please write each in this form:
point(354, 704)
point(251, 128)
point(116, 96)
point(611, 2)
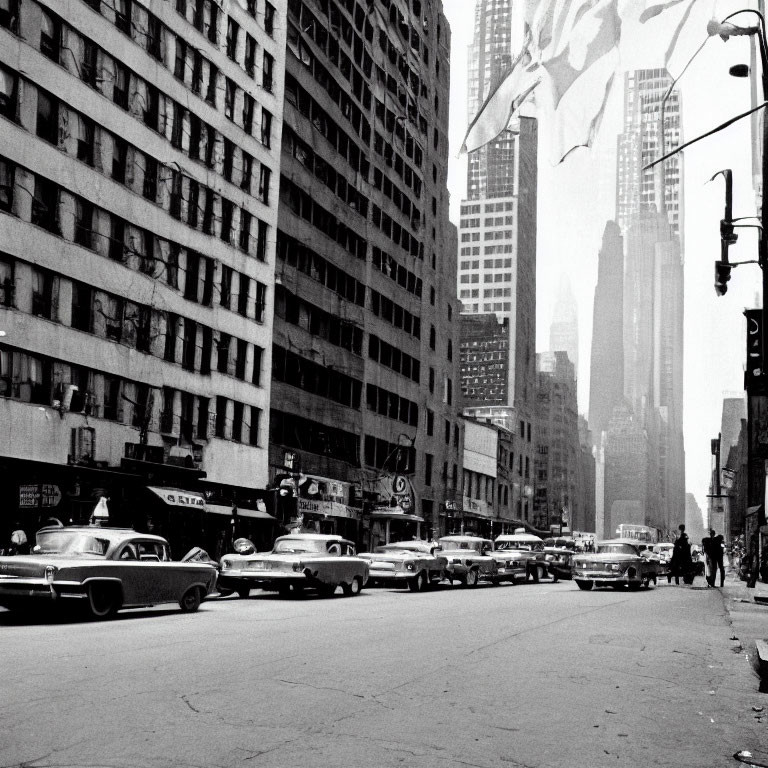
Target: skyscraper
point(564, 331)
point(649, 206)
point(497, 229)
point(606, 380)
point(366, 365)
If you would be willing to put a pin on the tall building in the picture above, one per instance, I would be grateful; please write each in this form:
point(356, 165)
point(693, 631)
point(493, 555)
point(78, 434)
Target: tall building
point(649, 206)
point(564, 331)
point(606, 381)
point(558, 463)
point(365, 351)
point(497, 228)
point(138, 190)
point(484, 356)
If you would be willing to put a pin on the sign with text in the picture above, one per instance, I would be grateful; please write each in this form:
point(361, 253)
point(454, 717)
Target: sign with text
point(39, 495)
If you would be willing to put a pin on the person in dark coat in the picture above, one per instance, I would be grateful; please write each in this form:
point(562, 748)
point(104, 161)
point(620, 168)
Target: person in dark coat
point(681, 562)
point(714, 549)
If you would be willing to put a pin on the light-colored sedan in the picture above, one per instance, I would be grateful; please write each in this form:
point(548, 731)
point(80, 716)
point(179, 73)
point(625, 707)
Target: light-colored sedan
point(406, 563)
point(104, 570)
point(616, 563)
point(296, 562)
point(469, 559)
point(528, 548)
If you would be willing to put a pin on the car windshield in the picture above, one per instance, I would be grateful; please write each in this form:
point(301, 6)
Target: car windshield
point(450, 545)
point(294, 546)
point(616, 549)
point(520, 545)
point(75, 543)
point(403, 546)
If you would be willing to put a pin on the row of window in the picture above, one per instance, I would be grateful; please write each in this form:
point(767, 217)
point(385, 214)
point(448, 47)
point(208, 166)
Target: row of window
point(383, 307)
point(324, 172)
point(498, 277)
point(302, 204)
point(299, 256)
point(50, 382)
point(488, 250)
point(389, 266)
point(317, 321)
point(320, 380)
point(487, 208)
point(397, 233)
point(488, 293)
point(393, 159)
point(394, 358)
point(152, 331)
point(487, 264)
point(63, 213)
point(390, 404)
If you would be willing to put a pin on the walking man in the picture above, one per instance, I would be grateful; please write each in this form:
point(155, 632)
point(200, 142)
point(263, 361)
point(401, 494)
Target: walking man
point(714, 548)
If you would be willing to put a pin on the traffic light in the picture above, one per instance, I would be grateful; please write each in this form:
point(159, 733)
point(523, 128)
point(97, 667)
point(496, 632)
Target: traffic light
point(722, 276)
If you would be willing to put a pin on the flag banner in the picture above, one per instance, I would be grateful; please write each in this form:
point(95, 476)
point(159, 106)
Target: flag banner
point(572, 50)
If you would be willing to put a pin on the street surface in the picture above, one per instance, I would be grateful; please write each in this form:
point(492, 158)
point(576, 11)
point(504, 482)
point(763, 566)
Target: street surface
point(542, 676)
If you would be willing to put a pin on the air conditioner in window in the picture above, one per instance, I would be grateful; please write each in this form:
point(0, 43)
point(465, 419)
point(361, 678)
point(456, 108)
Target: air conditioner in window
point(63, 396)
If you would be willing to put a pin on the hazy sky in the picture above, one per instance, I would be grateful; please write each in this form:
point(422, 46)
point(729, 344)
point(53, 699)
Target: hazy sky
point(577, 197)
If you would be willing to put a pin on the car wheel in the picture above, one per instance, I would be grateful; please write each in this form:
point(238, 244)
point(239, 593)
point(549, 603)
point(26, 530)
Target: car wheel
point(191, 600)
point(471, 580)
point(585, 585)
point(243, 592)
point(354, 588)
point(103, 600)
point(555, 577)
point(418, 583)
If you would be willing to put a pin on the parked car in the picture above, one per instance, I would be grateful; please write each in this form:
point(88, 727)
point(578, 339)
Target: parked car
point(104, 570)
point(469, 559)
point(618, 563)
point(414, 564)
point(530, 548)
point(297, 561)
point(559, 562)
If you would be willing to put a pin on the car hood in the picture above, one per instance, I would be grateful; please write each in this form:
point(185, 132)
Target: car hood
point(607, 557)
point(394, 557)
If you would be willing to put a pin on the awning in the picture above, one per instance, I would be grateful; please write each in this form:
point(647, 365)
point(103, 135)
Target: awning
point(176, 497)
point(225, 509)
point(396, 516)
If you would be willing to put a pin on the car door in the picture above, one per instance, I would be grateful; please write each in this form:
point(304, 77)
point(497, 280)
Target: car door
point(158, 575)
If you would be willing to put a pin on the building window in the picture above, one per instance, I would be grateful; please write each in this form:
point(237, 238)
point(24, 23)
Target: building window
point(265, 175)
point(213, 74)
point(261, 302)
point(222, 360)
point(85, 144)
point(8, 94)
point(88, 63)
point(249, 107)
point(229, 156)
point(50, 35)
point(225, 292)
point(42, 294)
point(119, 159)
point(253, 432)
point(258, 356)
point(189, 345)
point(171, 329)
point(47, 117)
point(268, 65)
point(83, 223)
point(208, 212)
point(250, 55)
point(229, 98)
point(152, 107)
point(154, 37)
point(123, 16)
point(120, 86)
point(261, 241)
point(428, 469)
point(202, 417)
point(117, 239)
point(9, 14)
point(82, 307)
point(7, 176)
point(237, 421)
point(150, 178)
point(241, 354)
point(227, 210)
point(233, 31)
point(247, 172)
point(245, 230)
point(430, 423)
point(266, 128)
point(45, 205)
point(243, 295)
point(269, 18)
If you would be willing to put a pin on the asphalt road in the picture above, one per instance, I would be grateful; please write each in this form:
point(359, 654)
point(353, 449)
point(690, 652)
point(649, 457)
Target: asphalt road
point(529, 675)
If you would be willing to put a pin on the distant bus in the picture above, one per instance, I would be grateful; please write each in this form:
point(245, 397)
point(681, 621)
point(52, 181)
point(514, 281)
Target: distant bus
point(644, 533)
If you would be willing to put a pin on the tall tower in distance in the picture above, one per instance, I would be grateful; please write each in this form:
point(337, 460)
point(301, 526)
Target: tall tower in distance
point(497, 228)
point(564, 331)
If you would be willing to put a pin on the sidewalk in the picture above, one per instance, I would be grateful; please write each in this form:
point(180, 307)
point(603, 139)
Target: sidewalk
point(748, 613)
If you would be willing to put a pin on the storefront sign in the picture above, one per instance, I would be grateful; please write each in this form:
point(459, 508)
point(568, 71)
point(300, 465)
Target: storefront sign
point(476, 506)
point(327, 509)
point(39, 495)
point(177, 498)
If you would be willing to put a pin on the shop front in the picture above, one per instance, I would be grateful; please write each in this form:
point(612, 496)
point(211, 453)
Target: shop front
point(225, 523)
point(471, 517)
point(331, 517)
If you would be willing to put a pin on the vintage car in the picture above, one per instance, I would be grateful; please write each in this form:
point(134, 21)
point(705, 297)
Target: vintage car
point(618, 563)
point(559, 562)
point(468, 559)
point(297, 561)
point(529, 548)
point(102, 569)
point(405, 563)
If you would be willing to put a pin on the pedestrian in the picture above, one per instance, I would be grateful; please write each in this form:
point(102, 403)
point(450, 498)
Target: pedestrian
point(680, 562)
point(714, 548)
point(19, 541)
